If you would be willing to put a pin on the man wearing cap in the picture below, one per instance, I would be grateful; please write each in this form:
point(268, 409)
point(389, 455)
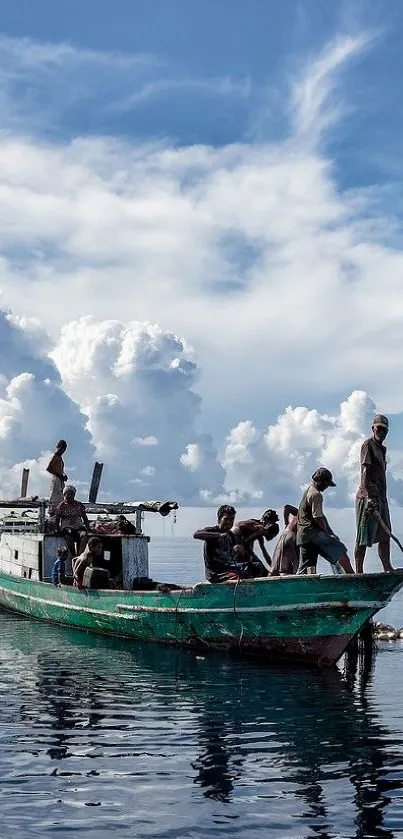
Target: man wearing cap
point(314, 535)
point(372, 510)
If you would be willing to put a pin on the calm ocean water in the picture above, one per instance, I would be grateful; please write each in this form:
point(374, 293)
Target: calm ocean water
point(102, 738)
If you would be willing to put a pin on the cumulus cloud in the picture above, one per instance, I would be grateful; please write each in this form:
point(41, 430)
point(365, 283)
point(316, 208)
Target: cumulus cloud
point(126, 394)
point(275, 463)
point(135, 382)
point(34, 409)
point(238, 247)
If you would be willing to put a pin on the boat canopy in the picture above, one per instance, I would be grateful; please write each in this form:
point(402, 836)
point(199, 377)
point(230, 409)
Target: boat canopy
point(125, 507)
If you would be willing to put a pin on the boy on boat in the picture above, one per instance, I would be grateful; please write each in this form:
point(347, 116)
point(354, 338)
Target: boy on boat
point(314, 535)
point(372, 509)
point(55, 468)
point(59, 567)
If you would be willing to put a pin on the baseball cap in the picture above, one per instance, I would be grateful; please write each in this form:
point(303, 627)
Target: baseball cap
point(381, 420)
point(324, 476)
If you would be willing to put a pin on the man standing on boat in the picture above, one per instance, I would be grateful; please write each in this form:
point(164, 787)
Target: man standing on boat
point(55, 468)
point(220, 560)
point(314, 535)
point(372, 509)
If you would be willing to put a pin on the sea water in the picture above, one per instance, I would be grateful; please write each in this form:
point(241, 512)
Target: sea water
point(106, 738)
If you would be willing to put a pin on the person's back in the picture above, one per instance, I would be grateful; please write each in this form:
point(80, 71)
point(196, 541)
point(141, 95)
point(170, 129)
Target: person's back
point(286, 555)
point(311, 507)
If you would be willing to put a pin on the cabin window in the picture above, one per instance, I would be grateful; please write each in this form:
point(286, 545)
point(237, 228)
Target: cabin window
point(15, 554)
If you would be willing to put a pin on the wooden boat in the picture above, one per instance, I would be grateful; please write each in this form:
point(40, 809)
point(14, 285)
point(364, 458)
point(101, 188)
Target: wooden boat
point(308, 619)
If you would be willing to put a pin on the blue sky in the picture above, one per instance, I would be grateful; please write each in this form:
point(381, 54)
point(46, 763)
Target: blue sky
point(226, 171)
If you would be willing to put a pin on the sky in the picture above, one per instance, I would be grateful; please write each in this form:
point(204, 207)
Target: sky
point(201, 255)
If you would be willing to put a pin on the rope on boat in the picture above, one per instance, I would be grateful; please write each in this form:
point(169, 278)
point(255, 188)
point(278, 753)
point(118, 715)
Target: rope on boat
point(236, 613)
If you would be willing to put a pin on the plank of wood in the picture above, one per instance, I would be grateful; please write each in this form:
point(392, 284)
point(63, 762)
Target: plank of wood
point(24, 483)
point(95, 482)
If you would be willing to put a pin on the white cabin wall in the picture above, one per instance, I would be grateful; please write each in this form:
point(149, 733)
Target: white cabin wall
point(20, 552)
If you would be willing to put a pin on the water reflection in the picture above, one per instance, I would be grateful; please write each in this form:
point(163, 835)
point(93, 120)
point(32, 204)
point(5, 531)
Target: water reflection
point(303, 746)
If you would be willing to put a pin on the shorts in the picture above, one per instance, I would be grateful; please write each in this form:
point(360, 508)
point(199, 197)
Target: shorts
point(369, 529)
point(322, 544)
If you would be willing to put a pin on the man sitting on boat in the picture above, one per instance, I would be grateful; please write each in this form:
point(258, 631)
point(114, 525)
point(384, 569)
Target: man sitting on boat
point(55, 468)
point(220, 561)
point(314, 535)
point(286, 554)
point(246, 533)
point(72, 521)
point(90, 558)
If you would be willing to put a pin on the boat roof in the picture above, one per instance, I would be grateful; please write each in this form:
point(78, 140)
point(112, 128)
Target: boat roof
point(116, 507)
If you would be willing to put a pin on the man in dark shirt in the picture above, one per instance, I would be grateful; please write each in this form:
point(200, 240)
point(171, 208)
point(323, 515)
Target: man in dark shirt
point(220, 560)
point(314, 535)
point(372, 510)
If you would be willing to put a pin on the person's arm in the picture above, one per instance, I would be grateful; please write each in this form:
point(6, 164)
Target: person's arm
point(367, 477)
point(289, 510)
point(208, 535)
point(262, 547)
point(319, 518)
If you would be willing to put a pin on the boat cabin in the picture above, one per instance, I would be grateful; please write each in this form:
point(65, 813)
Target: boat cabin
point(29, 539)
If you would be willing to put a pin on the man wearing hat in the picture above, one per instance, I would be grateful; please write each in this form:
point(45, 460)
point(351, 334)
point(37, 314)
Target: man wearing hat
point(314, 535)
point(372, 510)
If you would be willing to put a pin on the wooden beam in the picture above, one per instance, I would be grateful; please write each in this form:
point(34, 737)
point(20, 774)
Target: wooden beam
point(95, 482)
point(24, 483)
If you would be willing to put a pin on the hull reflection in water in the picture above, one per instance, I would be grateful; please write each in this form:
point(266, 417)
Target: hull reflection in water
point(171, 744)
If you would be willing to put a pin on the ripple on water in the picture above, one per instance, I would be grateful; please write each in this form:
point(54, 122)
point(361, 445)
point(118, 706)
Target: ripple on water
point(100, 737)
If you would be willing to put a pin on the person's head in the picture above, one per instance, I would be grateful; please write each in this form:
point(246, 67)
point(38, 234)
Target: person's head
point(269, 517)
point(62, 552)
point(270, 522)
point(94, 546)
point(380, 428)
point(323, 479)
point(69, 494)
point(226, 517)
point(61, 447)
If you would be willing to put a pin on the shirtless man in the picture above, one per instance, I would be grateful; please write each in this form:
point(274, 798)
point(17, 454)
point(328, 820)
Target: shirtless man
point(55, 468)
point(246, 533)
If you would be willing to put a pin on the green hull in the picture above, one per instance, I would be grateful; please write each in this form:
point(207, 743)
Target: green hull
point(304, 619)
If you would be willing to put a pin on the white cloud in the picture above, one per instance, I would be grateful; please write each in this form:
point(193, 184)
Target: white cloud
point(135, 382)
point(35, 412)
point(277, 462)
point(125, 393)
point(287, 286)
